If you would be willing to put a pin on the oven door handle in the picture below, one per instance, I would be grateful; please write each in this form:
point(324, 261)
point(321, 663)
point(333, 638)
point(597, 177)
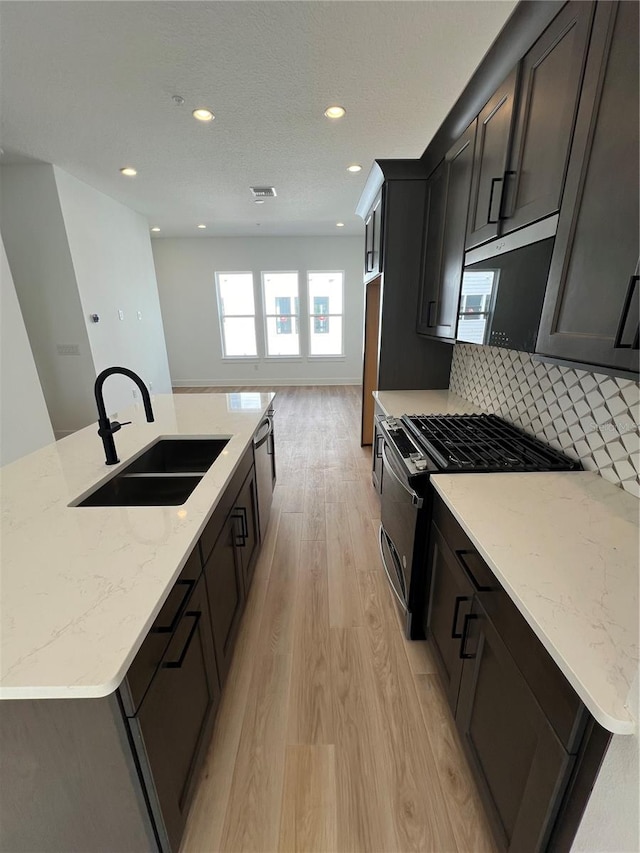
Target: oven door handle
point(416, 500)
point(386, 571)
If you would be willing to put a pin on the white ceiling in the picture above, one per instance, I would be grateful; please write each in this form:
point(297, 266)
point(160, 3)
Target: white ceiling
point(88, 86)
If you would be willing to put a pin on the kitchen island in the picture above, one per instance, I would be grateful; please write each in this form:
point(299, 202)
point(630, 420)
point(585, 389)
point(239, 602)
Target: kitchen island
point(86, 593)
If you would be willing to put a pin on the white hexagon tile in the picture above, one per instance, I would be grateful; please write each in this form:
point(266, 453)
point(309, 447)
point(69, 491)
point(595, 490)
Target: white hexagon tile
point(590, 416)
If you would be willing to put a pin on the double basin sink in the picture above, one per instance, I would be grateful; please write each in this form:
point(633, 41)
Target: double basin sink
point(164, 475)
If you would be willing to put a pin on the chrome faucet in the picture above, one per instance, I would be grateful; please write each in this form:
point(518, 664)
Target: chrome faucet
point(106, 428)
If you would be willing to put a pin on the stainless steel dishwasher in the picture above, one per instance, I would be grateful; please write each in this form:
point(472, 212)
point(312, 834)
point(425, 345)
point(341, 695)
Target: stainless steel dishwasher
point(265, 460)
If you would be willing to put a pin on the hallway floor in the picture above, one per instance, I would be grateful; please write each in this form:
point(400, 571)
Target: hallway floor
point(333, 733)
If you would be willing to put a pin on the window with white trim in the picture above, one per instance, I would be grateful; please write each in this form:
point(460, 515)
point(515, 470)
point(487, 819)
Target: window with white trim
point(326, 309)
point(282, 313)
point(237, 314)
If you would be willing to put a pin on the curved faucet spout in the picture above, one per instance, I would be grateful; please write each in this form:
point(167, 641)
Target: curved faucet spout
point(106, 428)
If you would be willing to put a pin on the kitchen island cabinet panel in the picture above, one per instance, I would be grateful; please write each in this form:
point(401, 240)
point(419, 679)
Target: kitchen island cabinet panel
point(69, 780)
point(590, 313)
point(174, 723)
point(223, 574)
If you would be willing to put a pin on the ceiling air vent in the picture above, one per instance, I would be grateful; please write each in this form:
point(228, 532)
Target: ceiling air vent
point(263, 192)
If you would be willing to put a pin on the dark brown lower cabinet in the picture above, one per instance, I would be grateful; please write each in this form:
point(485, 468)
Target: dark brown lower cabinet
point(519, 763)
point(223, 574)
point(531, 744)
point(248, 537)
point(172, 727)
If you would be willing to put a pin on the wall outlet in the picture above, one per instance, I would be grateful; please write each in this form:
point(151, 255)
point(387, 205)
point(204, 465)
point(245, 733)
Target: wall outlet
point(139, 315)
point(255, 367)
point(135, 393)
point(150, 383)
point(120, 314)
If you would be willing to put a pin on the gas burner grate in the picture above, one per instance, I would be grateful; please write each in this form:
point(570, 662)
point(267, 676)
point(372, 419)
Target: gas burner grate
point(483, 443)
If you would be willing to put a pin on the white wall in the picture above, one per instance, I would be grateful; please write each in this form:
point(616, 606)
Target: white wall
point(24, 420)
point(35, 241)
point(185, 269)
point(111, 254)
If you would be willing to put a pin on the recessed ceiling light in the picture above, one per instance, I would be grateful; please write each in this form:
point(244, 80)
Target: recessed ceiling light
point(203, 114)
point(339, 224)
point(334, 112)
point(129, 171)
point(202, 226)
point(258, 201)
point(355, 167)
point(155, 228)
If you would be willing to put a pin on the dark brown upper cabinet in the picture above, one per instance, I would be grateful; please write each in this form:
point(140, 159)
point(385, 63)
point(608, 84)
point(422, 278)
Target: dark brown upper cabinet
point(590, 313)
point(548, 93)
point(447, 206)
point(490, 163)
point(373, 240)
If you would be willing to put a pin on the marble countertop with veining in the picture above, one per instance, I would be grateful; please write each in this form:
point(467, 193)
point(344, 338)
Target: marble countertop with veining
point(81, 586)
point(565, 548)
point(396, 403)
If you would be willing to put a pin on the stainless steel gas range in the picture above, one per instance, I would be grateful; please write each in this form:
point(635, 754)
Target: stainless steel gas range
point(412, 448)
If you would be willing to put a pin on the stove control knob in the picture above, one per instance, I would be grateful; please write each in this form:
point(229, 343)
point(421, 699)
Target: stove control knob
point(420, 464)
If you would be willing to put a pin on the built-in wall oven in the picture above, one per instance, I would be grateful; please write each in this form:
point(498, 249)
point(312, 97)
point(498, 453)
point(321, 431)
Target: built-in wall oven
point(414, 447)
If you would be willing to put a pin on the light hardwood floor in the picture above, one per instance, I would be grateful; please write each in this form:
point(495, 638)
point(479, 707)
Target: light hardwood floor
point(333, 734)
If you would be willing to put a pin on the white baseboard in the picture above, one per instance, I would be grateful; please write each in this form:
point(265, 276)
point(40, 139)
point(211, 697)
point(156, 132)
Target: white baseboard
point(224, 383)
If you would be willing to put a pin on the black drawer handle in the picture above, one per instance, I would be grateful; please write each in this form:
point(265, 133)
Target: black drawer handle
point(464, 655)
point(494, 181)
point(430, 323)
point(176, 664)
point(633, 282)
point(366, 263)
point(501, 213)
point(169, 629)
point(240, 513)
point(455, 635)
point(460, 554)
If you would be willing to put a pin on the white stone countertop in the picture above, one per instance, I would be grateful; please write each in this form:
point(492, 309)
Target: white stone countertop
point(81, 586)
point(565, 548)
point(396, 403)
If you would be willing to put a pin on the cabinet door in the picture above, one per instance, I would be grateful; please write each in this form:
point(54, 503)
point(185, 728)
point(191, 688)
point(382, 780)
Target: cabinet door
point(223, 574)
point(548, 99)
point(519, 763)
point(490, 163)
point(590, 311)
point(175, 720)
point(247, 538)
point(459, 167)
point(373, 240)
point(436, 202)
point(450, 598)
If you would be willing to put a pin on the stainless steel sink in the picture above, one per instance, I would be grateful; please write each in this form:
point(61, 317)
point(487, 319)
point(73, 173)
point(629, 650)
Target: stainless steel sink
point(178, 456)
point(137, 490)
point(164, 475)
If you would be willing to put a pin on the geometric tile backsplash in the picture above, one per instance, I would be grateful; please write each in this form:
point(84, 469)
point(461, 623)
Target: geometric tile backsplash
point(590, 416)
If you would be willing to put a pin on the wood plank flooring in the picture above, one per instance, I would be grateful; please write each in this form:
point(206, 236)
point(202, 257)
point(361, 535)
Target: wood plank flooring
point(333, 735)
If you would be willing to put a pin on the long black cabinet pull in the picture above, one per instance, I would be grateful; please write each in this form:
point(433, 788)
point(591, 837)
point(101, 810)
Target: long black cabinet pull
point(455, 635)
point(464, 655)
point(505, 184)
point(369, 268)
point(430, 308)
point(622, 325)
point(176, 664)
point(240, 514)
point(169, 629)
point(462, 555)
point(494, 181)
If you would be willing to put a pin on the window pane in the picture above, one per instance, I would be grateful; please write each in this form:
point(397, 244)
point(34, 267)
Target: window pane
point(282, 336)
point(236, 293)
point(325, 292)
point(239, 336)
point(280, 290)
point(325, 335)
